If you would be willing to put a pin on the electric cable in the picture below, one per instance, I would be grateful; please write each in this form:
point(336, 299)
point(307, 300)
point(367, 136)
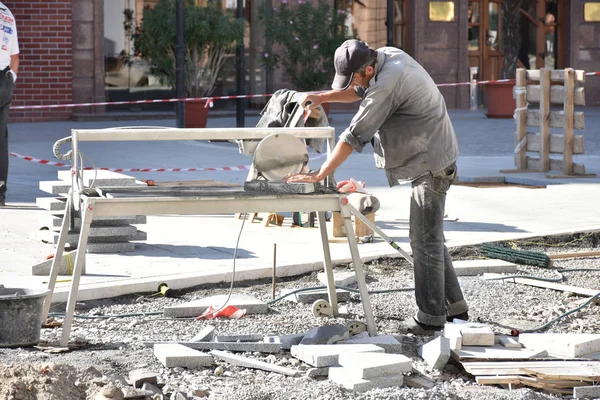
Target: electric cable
point(244, 216)
point(561, 316)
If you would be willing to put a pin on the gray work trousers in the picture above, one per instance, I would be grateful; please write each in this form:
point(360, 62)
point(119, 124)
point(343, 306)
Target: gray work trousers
point(6, 92)
point(437, 290)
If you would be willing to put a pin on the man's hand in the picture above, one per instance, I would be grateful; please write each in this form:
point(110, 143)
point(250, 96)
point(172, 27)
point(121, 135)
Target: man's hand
point(306, 177)
point(310, 101)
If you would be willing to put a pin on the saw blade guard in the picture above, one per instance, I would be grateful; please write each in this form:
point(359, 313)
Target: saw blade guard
point(278, 155)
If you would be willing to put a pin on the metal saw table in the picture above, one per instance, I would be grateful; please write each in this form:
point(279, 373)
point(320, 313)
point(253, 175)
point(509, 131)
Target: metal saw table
point(150, 200)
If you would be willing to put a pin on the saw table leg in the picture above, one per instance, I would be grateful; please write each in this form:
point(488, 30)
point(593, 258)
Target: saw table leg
point(358, 269)
point(375, 228)
point(57, 260)
point(327, 263)
point(86, 222)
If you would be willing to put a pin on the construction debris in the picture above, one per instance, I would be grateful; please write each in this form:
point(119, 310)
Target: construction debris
point(246, 362)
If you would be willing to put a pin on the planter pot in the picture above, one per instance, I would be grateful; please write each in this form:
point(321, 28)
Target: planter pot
point(499, 100)
point(196, 114)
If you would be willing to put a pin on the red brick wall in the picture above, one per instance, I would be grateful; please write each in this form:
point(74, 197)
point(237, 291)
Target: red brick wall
point(45, 70)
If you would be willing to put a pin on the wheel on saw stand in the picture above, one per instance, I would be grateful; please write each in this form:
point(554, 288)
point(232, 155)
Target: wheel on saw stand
point(356, 327)
point(322, 308)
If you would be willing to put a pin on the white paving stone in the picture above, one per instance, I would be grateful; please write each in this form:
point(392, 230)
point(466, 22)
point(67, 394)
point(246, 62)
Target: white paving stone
point(325, 355)
point(477, 335)
point(340, 376)
point(562, 344)
point(436, 352)
point(176, 355)
point(373, 365)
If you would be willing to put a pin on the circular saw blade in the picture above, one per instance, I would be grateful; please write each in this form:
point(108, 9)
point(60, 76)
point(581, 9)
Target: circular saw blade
point(278, 155)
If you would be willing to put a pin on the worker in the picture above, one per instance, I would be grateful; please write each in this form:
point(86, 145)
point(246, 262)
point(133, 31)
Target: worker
point(403, 115)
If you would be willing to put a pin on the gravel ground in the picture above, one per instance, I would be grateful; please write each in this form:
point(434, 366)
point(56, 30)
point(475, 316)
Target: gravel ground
point(114, 345)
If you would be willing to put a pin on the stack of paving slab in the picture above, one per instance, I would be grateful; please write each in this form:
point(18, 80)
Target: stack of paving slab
point(558, 363)
point(108, 234)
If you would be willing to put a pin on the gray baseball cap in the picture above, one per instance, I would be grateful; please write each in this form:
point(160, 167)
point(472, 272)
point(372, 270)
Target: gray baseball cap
point(349, 57)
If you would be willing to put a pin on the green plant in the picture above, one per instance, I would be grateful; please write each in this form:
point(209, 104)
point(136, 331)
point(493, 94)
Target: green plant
point(307, 36)
point(209, 34)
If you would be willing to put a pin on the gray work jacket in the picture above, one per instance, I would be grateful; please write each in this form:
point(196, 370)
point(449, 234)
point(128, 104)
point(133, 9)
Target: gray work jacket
point(404, 116)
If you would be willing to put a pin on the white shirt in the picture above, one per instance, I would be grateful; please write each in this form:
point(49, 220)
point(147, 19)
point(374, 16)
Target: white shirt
point(10, 43)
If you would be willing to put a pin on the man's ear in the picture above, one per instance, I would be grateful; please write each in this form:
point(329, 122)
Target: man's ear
point(370, 70)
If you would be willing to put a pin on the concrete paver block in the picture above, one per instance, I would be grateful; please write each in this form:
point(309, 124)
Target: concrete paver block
point(436, 352)
point(373, 365)
point(453, 333)
point(341, 278)
point(323, 334)
point(479, 267)
point(340, 376)
point(55, 187)
point(138, 377)
point(204, 335)
point(477, 335)
point(121, 247)
point(316, 372)
point(419, 382)
point(509, 341)
point(51, 203)
point(65, 267)
point(388, 342)
point(100, 178)
point(238, 338)
point(230, 346)
point(195, 308)
point(176, 355)
point(286, 341)
point(586, 392)
point(247, 362)
point(562, 344)
point(310, 296)
point(325, 355)
point(55, 221)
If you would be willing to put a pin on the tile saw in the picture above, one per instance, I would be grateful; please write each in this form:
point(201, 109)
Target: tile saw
point(275, 157)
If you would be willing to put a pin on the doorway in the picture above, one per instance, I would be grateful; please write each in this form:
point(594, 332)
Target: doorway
point(542, 27)
point(542, 32)
point(485, 38)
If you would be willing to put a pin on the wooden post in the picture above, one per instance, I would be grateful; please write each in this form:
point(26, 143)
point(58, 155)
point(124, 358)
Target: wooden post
point(273, 283)
point(521, 92)
point(569, 111)
point(544, 120)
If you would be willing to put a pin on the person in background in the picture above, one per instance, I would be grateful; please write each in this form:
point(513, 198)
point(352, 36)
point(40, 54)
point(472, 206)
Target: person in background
point(9, 66)
point(403, 115)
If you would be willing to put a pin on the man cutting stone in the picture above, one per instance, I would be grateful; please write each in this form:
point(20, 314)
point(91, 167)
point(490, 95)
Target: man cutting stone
point(403, 115)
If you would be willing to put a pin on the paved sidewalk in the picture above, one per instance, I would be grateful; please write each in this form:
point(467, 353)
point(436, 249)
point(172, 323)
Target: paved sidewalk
point(188, 251)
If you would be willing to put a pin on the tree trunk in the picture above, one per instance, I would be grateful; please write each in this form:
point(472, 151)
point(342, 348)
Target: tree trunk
point(511, 33)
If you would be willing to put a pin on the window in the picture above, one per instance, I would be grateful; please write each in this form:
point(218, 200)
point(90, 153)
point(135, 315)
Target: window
point(591, 12)
point(441, 11)
point(474, 19)
point(491, 36)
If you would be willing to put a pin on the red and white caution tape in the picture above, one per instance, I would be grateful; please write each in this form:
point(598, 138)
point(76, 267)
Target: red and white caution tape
point(37, 160)
point(59, 164)
point(210, 100)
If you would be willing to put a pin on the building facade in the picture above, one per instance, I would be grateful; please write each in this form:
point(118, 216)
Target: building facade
point(70, 48)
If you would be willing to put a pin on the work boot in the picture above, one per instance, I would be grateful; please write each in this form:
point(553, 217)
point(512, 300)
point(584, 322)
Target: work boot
point(464, 316)
point(411, 325)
